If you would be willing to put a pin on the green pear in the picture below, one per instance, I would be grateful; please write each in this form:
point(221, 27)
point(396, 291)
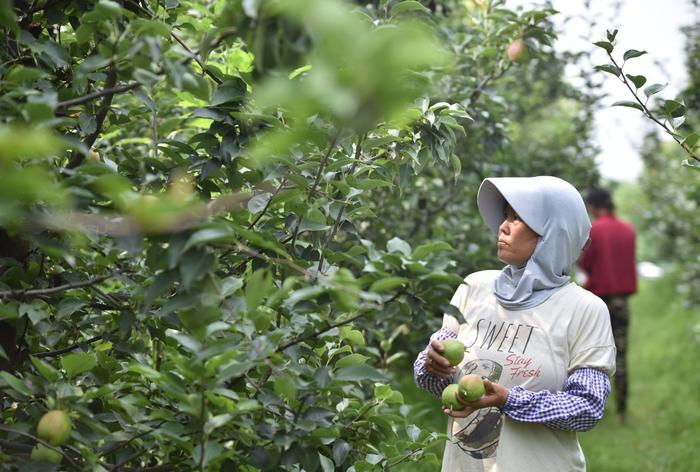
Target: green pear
point(471, 387)
point(453, 351)
point(43, 453)
point(449, 398)
point(54, 427)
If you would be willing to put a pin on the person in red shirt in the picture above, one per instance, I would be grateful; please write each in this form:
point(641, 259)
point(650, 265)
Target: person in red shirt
point(610, 265)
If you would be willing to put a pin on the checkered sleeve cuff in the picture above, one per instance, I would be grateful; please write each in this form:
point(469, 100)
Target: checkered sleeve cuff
point(426, 381)
point(577, 407)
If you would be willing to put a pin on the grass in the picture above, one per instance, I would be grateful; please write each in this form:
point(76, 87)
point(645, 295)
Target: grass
point(662, 432)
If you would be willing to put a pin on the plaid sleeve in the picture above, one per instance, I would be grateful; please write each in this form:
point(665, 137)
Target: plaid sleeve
point(426, 381)
point(577, 407)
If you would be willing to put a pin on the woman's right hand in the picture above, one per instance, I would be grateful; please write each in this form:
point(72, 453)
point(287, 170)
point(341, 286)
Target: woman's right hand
point(436, 364)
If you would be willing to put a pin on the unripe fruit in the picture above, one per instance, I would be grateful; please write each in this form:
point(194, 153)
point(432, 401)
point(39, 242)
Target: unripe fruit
point(471, 387)
point(54, 427)
point(453, 351)
point(518, 51)
point(43, 453)
point(449, 398)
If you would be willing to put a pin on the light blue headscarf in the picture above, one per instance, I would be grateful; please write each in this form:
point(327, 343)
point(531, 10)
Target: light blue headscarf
point(552, 208)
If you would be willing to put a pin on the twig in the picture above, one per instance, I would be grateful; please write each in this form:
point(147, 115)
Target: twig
point(648, 114)
point(111, 81)
point(495, 75)
point(403, 459)
point(197, 59)
point(267, 205)
point(202, 436)
point(92, 96)
point(126, 442)
point(317, 180)
point(300, 339)
point(41, 441)
point(58, 352)
point(336, 223)
point(51, 290)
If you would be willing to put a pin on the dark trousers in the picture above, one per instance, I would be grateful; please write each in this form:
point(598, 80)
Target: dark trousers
point(619, 318)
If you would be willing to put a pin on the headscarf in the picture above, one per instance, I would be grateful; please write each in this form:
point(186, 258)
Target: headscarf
point(554, 210)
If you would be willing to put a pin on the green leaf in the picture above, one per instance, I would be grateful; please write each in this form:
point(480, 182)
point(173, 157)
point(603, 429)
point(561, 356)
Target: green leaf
point(350, 360)
point(286, 388)
point(637, 80)
point(353, 336)
point(398, 245)
point(75, 364)
point(37, 310)
point(611, 35)
point(8, 19)
point(212, 450)
point(425, 250)
point(143, 27)
point(654, 88)
point(691, 140)
point(632, 53)
point(45, 369)
point(359, 373)
point(258, 287)
point(605, 45)
point(407, 6)
point(9, 311)
point(299, 70)
point(387, 283)
point(628, 103)
point(231, 91)
point(693, 164)
point(674, 108)
point(16, 384)
point(326, 464)
point(188, 342)
point(108, 9)
point(610, 69)
point(210, 235)
point(194, 265)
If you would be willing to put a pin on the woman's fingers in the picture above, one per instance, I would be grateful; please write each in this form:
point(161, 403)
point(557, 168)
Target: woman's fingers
point(458, 413)
point(438, 365)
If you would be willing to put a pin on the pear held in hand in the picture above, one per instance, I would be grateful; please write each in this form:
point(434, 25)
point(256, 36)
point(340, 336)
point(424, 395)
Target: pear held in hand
point(54, 427)
point(471, 387)
point(453, 351)
point(449, 398)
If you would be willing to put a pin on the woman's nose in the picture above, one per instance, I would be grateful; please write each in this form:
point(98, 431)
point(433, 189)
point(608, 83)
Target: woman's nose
point(504, 228)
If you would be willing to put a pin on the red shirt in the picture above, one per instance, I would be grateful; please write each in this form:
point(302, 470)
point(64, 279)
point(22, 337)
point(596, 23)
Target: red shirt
point(609, 261)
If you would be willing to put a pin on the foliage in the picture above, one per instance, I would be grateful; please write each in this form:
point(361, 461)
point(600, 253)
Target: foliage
point(222, 222)
point(671, 182)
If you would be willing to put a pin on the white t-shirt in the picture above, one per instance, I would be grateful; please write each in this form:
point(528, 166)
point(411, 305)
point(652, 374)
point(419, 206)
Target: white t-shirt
point(536, 348)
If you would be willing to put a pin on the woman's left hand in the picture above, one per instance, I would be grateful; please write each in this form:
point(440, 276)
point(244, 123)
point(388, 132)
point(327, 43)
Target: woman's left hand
point(494, 395)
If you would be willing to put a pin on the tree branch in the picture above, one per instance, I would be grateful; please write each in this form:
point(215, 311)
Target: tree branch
point(51, 290)
point(94, 95)
point(58, 352)
point(44, 443)
point(110, 83)
point(648, 113)
point(300, 339)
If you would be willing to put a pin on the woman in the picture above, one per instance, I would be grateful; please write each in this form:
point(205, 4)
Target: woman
point(543, 344)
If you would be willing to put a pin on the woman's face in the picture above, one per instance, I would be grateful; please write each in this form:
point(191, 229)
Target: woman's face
point(516, 241)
